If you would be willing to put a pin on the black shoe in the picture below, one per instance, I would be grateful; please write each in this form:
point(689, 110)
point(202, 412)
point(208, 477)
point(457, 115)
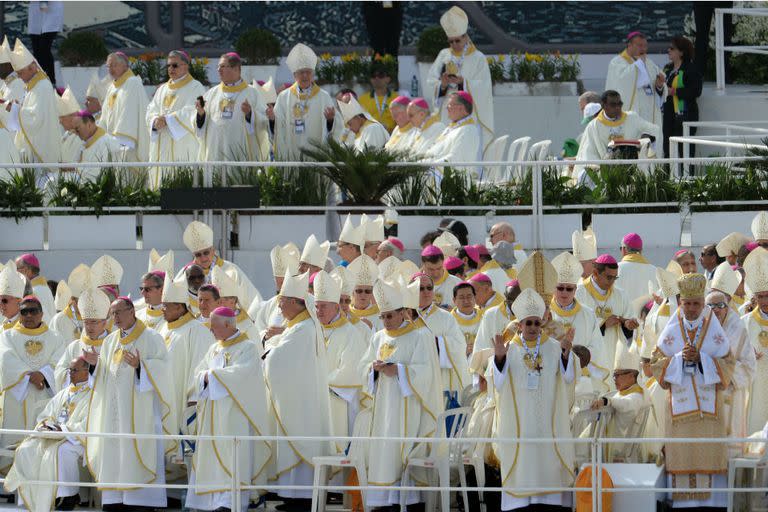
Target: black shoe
point(295, 505)
point(334, 498)
point(67, 503)
point(223, 509)
point(173, 503)
point(112, 507)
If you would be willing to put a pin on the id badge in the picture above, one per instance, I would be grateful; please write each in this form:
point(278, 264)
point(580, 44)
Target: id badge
point(227, 113)
point(532, 382)
point(298, 126)
point(689, 368)
point(648, 90)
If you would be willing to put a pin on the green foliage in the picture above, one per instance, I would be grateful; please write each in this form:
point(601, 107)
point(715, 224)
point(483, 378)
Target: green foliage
point(364, 176)
point(431, 41)
point(352, 67)
point(18, 193)
point(112, 187)
point(83, 49)
point(290, 186)
point(258, 47)
point(628, 184)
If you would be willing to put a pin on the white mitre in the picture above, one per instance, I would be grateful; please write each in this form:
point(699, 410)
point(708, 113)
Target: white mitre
point(93, 304)
point(198, 236)
point(301, 56)
point(568, 268)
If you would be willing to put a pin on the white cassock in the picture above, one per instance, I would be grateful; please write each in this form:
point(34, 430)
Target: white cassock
point(655, 425)
point(248, 289)
point(176, 142)
point(459, 142)
point(52, 458)
point(187, 341)
point(247, 326)
point(444, 289)
point(473, 67)
point(741, 380)
point(369, 315)
point(234, 402)
point(265, 316)
point(605, 304)
point(68, 323)
point(74, 350)
point(41, 290)
point(101, 147)
point(345, 346)
point(626, 405)
point(36, 122)
point(225, 133)
point(451, 349)
point(402, 138)
point(587, 333)
point(299, 118)
point(500, 276)
point(371, 135)
point(297, 382)
point(71, 147)
point(468, 325)
point(601, 130)
point(125, 402)
point(757, 334)
point(122, 116)
point(656, 321)
point(152, 316)
point(634, 273)
point(493, 323)
point(634, 81)
point(533, 404)
point(12, 88)
point(23, 351)
point(406, 405)
point(427, 133)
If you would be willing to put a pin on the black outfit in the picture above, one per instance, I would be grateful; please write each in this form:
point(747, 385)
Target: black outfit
point(41, 49)
point(703, 12)
point(384, 22)
point(672, 123)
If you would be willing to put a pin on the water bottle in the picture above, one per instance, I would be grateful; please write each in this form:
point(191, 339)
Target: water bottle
point(414, 86)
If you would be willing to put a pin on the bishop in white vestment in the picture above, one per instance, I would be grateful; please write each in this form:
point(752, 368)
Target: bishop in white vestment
point(124, 109)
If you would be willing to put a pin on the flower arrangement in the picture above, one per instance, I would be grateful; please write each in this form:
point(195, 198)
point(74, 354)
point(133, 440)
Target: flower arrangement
point(533, 67)
point(352, 67)
point(151, 68)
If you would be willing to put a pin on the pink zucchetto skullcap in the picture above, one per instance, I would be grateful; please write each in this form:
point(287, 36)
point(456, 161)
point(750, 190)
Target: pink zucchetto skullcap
point(396, 242)
point(31, 298)
point(418, 275)
point(158, 273)
point(260, 82)
point(634, 34)
point(480, 278)
point(633, 241)
point(734, 267)
point(751, 246)
point(30, 259)
point(482, 250)
point(224, 312)
point(649, 305)
point(452, 263)
point(232, 54)
point(111, 291)
point(312, 277)
point(680, 252)
point(124, 298)
point(512, 283)
point(466, 96)
point(403, 101)
point(122, 54)
point(420, 102)
point(473, 253)
point(606, 259)
point(431, 250)
point(83, 113)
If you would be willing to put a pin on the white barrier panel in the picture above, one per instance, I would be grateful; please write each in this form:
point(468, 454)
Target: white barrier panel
point(90, 232)
point(24, 235)
point(165, 231)
point(709, 227)
point(656, 229)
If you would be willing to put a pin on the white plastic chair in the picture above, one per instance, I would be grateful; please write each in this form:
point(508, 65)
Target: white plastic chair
point(442, 457)
point(354, 459)
point(494, 153)
point(637, 431)
point(539, 151)
point(516, 153)
point(753, 463)
point(642, 154)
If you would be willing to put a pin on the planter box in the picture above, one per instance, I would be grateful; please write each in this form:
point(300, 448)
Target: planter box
point(556, 230)
point(711, 227)
point(108, 232)
point(27, 235)
point(535, 89)
point(656, 229)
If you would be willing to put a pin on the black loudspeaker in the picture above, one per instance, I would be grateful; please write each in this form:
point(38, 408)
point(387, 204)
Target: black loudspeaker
point(209, 198)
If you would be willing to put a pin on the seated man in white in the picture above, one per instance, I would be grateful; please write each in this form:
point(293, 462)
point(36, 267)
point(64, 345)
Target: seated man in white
point(98, 147)
point(460, 141)
point(368, 133)
point(56, 457)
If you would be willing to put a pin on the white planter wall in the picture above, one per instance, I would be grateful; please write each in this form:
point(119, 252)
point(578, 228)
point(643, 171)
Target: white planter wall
point(263, 232)
point(26, 235)
point(165, 231)
point(656, 229)
point(90, 232)
point(711, 227)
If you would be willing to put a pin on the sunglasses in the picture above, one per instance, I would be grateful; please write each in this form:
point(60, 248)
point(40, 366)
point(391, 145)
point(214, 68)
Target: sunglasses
point(75, 370)
point(566, 288)
point(619, 374)
point(362, 291)
point(30, 311)
point(196, 277)
point(147, 288)
point(532, 323)
point(387, 316)
point(426, 288)
point(345, 301)
point(718, 305)
point(201, 253)
point(615, 103)
point(707, 254)
point(610, 278)
point(172, 66)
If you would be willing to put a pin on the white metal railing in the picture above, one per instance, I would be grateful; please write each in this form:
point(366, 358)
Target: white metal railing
point(720, 47)
point(725, 131)
point(595, 460)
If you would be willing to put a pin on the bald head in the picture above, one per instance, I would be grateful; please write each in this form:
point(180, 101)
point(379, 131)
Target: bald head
point(502, 232)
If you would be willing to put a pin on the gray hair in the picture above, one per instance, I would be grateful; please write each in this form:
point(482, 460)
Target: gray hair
point(229, 321)
point(467, 105)
point(386, 245)
point(153, 278)
point(589, 97)
point(179, 54)
point(717, 293)
point(120, 56)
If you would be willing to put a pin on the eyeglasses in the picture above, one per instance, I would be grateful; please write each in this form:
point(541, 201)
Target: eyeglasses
point(147, 288)
point(718, 305)
point(455, 41)
point(173, 65)
point(614, 103)
point(532, 323)
point(566, 288)
point(30, 311)
point(707, 254)
point(388, 316)
point(196, 277)
point(200, 254)
point(361, 291)
point(619, 374)
point(75, 370)
point(345, 301)
point(609, 277)
point(426, 288)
